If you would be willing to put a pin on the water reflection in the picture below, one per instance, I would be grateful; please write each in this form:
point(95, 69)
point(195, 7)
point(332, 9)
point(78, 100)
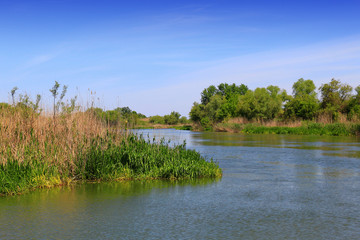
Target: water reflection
point(274, 187)
point(330, 146)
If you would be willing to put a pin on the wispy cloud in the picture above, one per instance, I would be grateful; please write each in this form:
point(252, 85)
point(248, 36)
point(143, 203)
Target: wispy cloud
point(40, 59)
point(320, 62)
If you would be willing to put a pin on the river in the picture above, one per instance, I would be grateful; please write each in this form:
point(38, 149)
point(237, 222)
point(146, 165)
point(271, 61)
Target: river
point(273, 187)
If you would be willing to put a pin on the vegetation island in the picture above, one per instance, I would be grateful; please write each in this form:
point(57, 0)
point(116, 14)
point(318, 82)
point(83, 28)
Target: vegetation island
point(69, 145)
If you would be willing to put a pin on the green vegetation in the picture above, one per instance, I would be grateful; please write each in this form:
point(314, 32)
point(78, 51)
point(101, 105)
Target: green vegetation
point(126, 118)
point(134, 157)
point(123, 117)
point(272, 106)
point(171, 119)
point(157, 119)
point(307, 128)
point(38, 150)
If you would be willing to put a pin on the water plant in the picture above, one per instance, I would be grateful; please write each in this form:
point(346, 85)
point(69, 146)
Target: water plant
point(35, 152)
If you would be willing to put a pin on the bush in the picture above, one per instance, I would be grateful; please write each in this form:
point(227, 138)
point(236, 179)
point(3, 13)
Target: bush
point(172, 119)
point(157, 119)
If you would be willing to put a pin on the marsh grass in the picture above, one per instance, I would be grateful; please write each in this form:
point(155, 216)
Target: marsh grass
point(39, 150)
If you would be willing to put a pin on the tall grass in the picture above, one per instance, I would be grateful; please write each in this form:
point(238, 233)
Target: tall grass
point(43, 151)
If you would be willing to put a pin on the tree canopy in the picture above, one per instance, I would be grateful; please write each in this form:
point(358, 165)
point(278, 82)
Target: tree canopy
point(230, 101)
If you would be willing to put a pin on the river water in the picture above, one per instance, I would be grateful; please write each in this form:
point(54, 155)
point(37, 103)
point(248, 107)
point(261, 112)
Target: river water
point(273, 187)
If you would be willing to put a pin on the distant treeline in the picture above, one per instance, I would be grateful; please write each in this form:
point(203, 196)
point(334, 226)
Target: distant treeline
point(126, 117)
point(171, 119)
point(123, 116)
point(332, 102)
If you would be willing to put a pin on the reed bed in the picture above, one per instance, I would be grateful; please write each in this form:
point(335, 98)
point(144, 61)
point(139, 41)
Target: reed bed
point(44, 151)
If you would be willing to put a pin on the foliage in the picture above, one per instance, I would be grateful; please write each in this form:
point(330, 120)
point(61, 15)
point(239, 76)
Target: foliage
point(183, 120)
point(303, 88)
point(261, 104)
point(172, 119)
point(224, 102)
point(207, 94)
point(335, 97)
point(217, 103)
point(123, 117)
point(304, 104)
point(353, 108)
point(157, 119)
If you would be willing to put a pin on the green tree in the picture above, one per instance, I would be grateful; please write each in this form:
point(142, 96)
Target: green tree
point(197, 112)
point(212, 109)
point(207, 93)
point(304, 104)
point(230, 97)
point(157, 119)
point(228, 91)
point(304, 87)
point(183, 120)
point(353, 108)
point(173, 118)
point(261, 104)
point(334, 97)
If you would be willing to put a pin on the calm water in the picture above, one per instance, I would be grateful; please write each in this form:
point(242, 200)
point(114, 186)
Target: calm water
point(273, 187)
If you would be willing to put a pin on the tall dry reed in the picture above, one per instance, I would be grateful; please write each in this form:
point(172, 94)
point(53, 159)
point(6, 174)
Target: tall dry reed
point(21, 127)
point(42, 151)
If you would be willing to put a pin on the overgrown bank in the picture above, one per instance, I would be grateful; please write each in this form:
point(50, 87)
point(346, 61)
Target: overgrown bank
point(336, 112)
point(44, 151)
point(310, 128)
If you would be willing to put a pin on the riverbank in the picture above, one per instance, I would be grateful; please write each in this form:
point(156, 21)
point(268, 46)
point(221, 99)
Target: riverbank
point(38, 151)
point(144, 123)
point(295, 128)
point(305, 128)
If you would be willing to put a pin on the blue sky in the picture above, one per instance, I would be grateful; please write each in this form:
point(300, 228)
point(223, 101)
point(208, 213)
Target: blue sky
point(157, 56)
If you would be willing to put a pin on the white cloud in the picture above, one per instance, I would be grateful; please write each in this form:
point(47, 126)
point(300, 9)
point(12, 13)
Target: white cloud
point(320, 62)
point(37, 60)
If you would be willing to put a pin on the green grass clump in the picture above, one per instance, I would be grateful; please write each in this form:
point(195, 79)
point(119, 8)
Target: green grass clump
point(106, 159)
point(137, 158)
point(18, 177)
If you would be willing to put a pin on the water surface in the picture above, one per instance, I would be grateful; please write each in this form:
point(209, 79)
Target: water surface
point(273, 187)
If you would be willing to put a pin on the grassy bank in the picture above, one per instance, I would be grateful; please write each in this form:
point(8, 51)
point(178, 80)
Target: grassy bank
point(306, 128)
point(144, 123)
point(39, 151)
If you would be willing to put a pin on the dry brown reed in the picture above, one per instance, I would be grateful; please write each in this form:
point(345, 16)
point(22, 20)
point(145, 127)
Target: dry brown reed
point(58, 139)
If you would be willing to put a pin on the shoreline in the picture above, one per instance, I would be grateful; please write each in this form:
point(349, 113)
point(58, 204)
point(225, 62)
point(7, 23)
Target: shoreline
point(305, 129)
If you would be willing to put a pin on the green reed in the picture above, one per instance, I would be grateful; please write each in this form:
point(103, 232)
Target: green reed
point(137, 158)
point(105, 159)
